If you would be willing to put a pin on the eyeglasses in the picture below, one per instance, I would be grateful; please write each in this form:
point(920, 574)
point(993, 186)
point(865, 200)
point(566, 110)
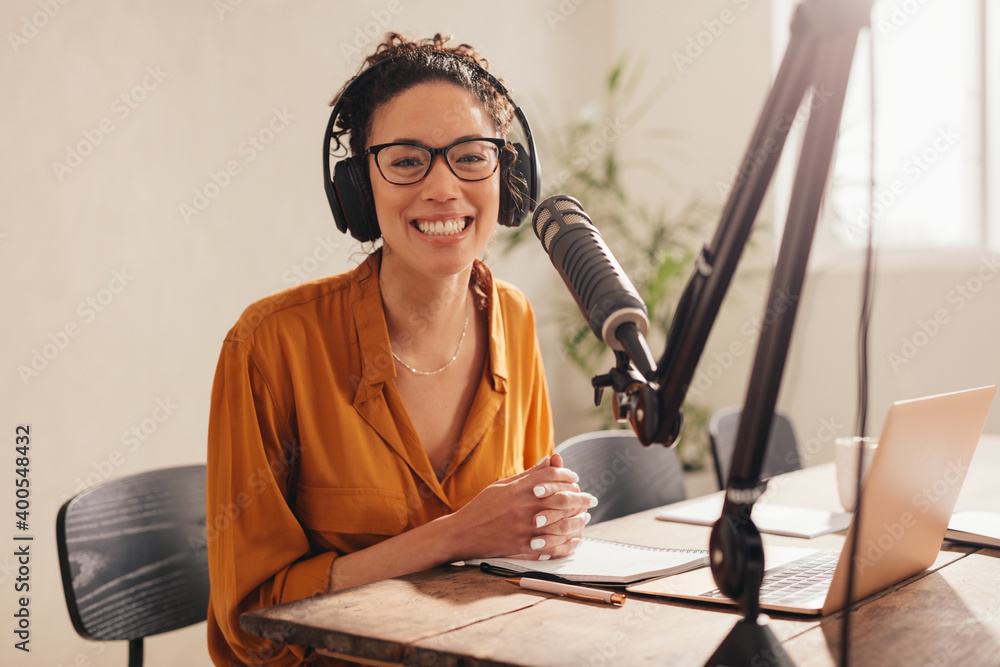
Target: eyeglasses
point(405, 163)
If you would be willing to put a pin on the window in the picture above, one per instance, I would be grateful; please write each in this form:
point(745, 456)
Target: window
point(934, 145)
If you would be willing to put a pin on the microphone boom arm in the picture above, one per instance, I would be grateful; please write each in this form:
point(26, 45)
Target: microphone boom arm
point(818, 58)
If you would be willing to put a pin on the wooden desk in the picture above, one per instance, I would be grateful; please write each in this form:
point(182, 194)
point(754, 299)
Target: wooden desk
point(458, 616)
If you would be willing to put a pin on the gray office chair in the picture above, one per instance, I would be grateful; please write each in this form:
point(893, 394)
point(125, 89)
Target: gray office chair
point(782, 452)
point(624, 476)
point(134, 556)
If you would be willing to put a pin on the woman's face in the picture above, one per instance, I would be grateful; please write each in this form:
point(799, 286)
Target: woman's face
point(435, 115)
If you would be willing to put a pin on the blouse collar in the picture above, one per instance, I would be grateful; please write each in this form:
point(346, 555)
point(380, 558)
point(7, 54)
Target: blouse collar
point(373, 334)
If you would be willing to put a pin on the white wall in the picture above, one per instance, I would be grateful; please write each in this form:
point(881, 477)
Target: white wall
point(220, 76)
point(714, 59)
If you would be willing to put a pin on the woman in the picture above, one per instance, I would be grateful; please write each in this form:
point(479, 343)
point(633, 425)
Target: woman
point(395, 417)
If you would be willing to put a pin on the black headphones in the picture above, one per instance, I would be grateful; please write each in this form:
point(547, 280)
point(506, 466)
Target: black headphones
point(350, 193)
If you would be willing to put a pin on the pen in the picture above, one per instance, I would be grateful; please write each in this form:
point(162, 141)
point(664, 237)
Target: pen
point(569, 590)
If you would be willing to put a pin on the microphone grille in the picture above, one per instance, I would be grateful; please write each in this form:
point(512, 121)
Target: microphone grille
point(542, 217)
point(550, 233)
point(546, 225)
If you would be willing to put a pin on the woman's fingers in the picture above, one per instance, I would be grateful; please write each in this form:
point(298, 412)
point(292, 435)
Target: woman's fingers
point(567, 501)
point(551, 481)
point(553, 546)
point(535, 513)
point(553, 523)
point(564, 549)
point(549, 518)
point(544, 462)
point(558, 534)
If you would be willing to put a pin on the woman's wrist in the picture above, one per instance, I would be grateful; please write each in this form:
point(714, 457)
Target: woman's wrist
point(446, 539)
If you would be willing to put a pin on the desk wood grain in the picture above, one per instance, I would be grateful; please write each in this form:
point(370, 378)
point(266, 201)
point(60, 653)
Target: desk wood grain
point(948, 618)
point(561, 632)
point(378, 620)
point(460, 616)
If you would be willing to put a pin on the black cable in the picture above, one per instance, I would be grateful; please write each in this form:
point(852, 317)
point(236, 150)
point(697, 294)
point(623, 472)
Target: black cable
point(864, 321)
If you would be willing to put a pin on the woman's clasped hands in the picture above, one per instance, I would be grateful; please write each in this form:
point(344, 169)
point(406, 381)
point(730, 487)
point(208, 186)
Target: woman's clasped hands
point(537, 514)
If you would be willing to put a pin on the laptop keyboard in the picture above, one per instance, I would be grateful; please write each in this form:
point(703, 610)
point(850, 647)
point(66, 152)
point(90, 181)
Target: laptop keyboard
point(797, 581)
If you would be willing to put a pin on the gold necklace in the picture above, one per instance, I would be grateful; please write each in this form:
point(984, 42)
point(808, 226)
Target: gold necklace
point(458, 349)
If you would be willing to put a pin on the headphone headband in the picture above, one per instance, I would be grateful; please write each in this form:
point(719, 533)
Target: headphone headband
point(348, 188)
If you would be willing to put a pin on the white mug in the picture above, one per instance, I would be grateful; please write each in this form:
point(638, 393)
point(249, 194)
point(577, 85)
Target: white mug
point(846, 457)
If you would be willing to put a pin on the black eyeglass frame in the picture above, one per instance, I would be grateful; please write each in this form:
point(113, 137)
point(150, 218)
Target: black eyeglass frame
point(500, 144)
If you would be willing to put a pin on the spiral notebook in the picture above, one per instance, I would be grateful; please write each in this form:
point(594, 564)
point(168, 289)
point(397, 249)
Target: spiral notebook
point(602, 562)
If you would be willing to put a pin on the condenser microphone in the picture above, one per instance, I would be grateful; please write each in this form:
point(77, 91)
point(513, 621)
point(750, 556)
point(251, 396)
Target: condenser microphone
point(597, 282)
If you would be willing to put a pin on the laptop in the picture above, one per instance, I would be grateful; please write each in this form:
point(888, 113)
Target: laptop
point(916, 474)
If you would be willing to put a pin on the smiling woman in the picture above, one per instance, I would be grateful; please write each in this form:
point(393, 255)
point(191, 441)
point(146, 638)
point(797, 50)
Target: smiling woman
point(395, 417)
point(464, 201)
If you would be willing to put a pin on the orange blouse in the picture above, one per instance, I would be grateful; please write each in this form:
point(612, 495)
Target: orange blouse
point(311, 452)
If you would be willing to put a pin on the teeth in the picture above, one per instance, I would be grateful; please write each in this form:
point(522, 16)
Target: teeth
point(441, 227)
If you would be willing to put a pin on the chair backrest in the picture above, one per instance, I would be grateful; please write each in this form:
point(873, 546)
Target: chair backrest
point(134, 556)
point(625, 476)
point(782, 452)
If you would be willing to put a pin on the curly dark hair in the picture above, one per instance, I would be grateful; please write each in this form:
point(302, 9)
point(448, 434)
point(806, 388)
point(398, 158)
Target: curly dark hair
point(413, 63)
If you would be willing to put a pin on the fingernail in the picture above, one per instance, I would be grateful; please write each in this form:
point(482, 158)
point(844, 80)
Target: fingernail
point(540, 491)
point(539, 521)
point(593, 501)
point(586, 518)
point(544, 557)
point(537, 543)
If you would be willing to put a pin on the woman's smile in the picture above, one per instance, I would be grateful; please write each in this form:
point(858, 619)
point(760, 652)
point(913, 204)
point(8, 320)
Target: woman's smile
point(440, 224)
point(448, 227)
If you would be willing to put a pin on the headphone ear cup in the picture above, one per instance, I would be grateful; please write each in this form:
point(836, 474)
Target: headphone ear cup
point(333, 197)
point(352, 201)
point(516, 187)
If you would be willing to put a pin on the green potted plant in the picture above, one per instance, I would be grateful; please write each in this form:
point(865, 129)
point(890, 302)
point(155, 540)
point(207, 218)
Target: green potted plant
point(653, 246)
